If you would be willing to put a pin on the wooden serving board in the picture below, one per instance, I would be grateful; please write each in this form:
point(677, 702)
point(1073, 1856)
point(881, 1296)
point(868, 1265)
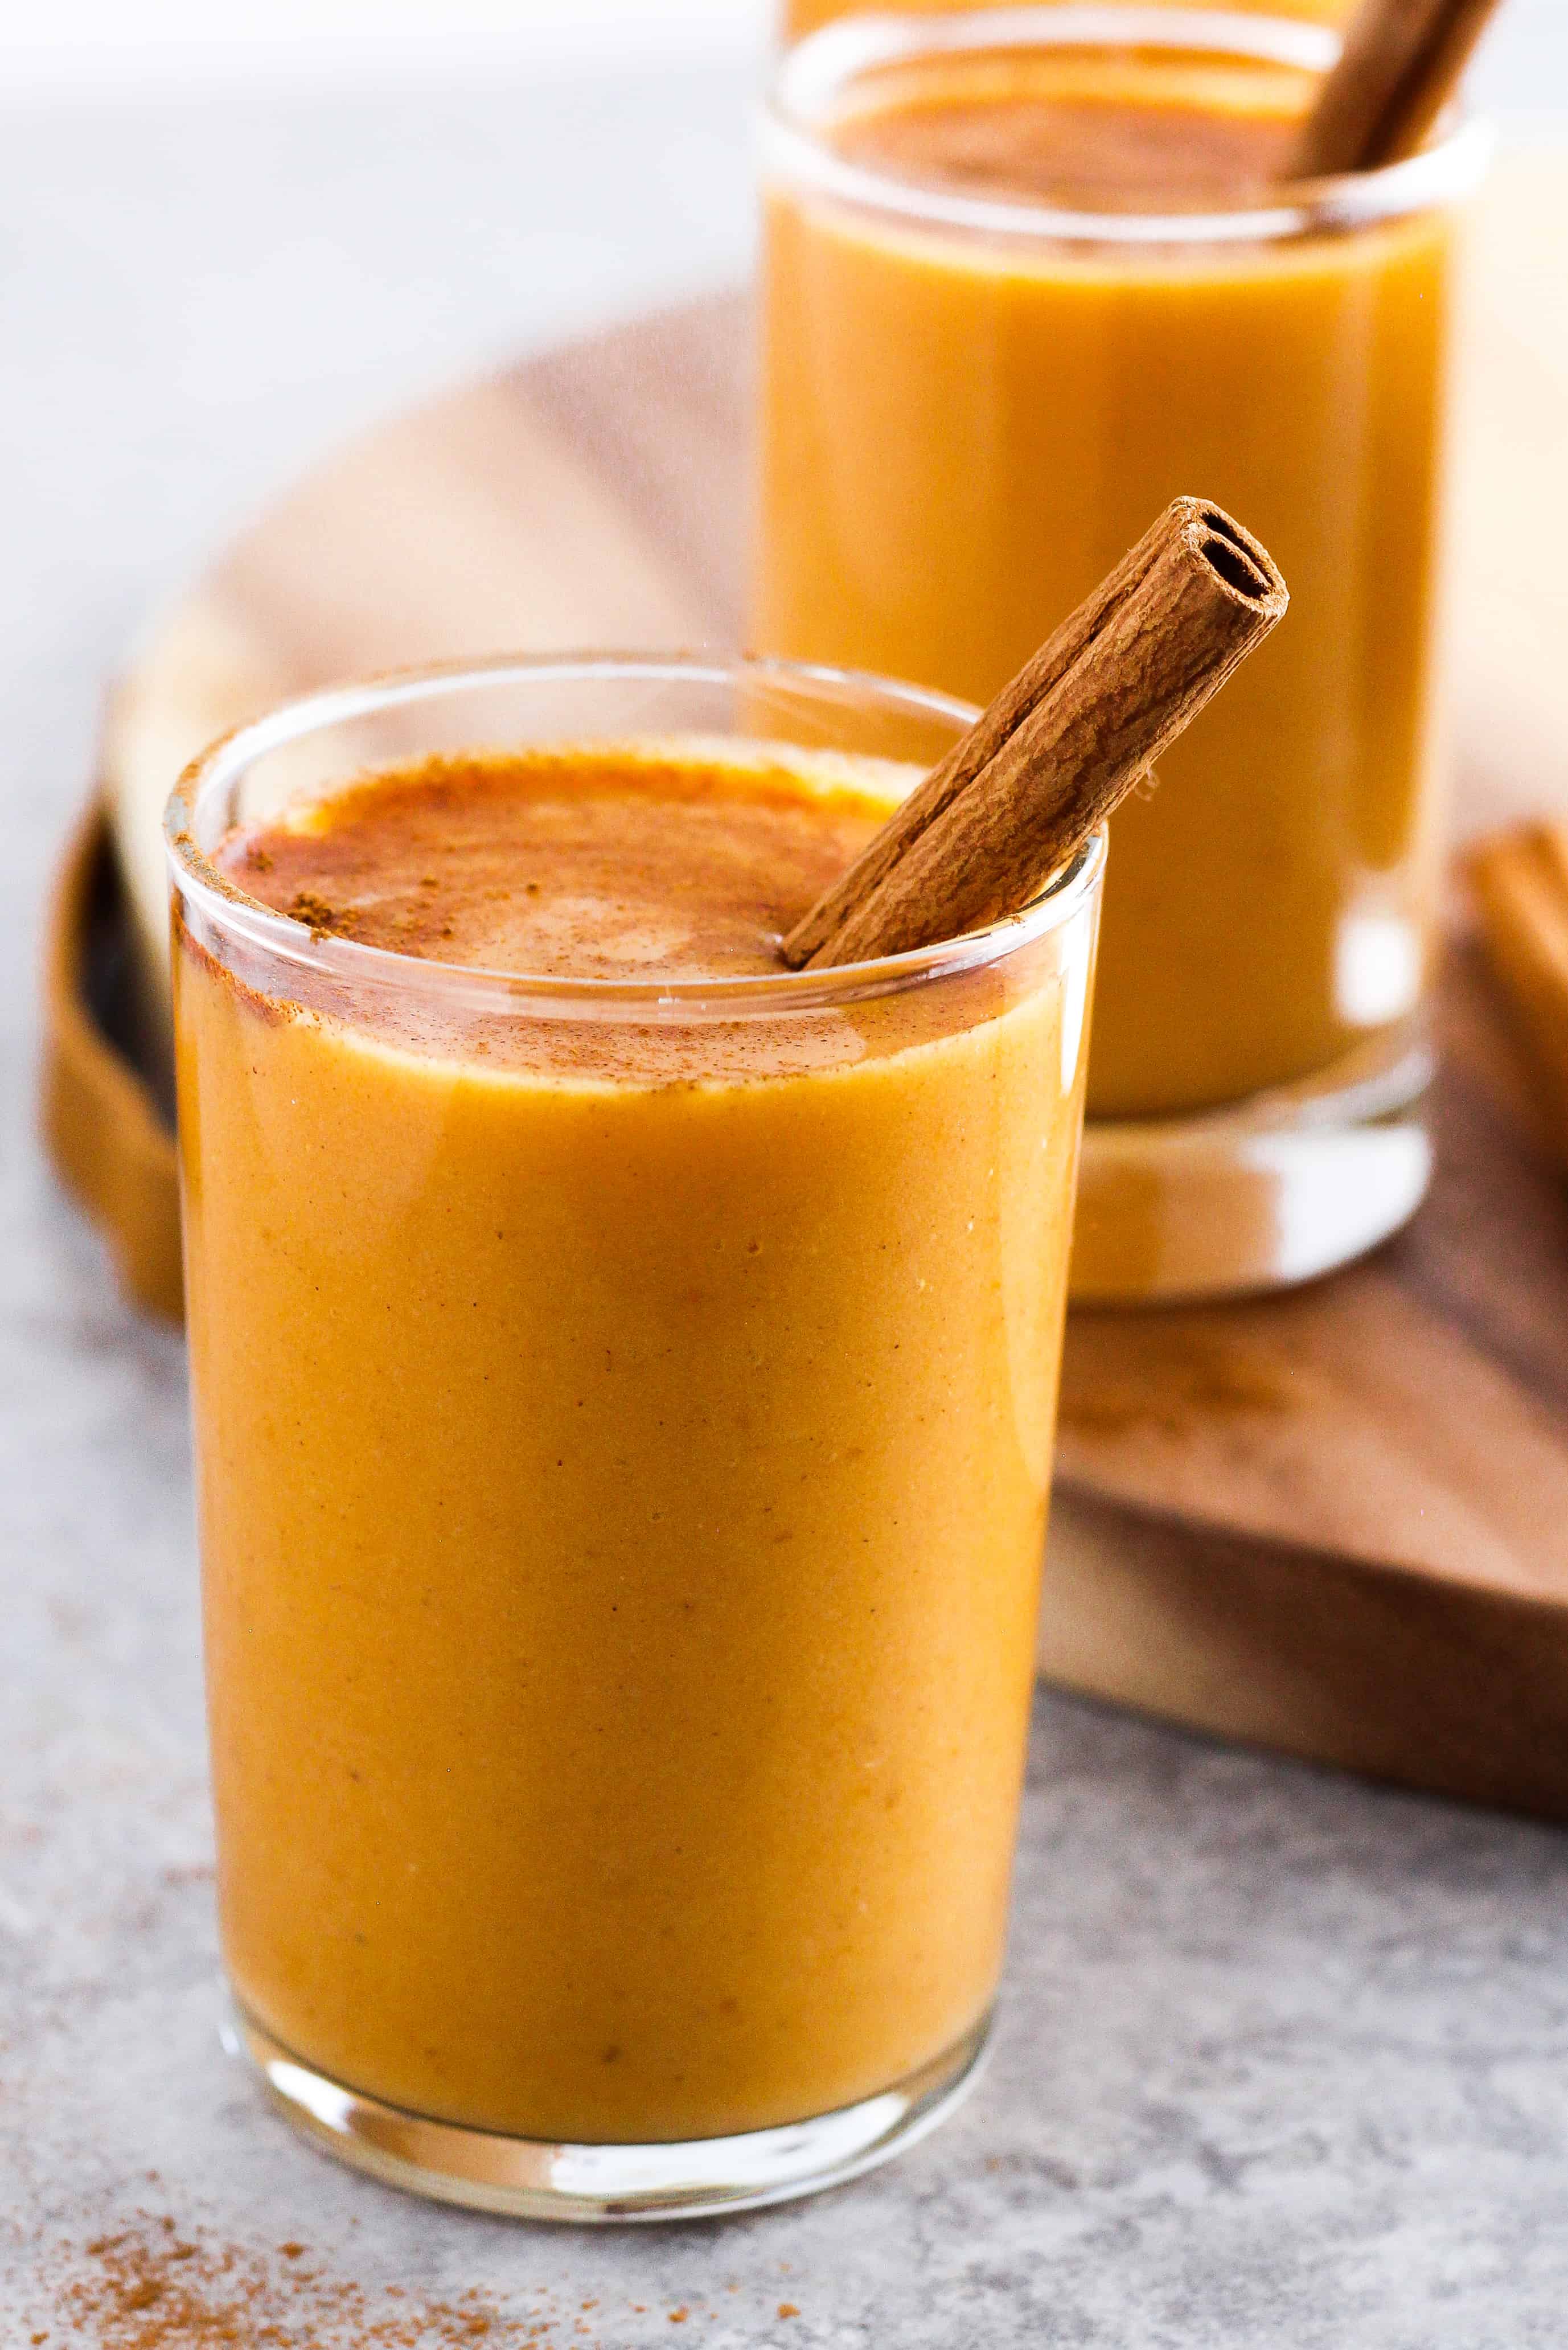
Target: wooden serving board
point(1337, 1522)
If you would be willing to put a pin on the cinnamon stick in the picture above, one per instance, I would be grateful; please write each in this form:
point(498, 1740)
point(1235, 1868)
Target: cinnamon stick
point(1068, 738)
point(1520, 881)
point(1400, 65)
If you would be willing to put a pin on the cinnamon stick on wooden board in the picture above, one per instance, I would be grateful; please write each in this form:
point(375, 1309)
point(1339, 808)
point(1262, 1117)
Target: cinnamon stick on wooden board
point(1048, 760)
point(1400, 65)
point(1520, 884)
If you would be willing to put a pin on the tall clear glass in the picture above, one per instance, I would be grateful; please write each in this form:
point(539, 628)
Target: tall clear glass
point(624, 1422)
point(973, 403)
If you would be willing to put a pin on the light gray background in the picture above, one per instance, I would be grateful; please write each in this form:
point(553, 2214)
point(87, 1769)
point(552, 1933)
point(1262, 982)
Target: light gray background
point(1284, 2059)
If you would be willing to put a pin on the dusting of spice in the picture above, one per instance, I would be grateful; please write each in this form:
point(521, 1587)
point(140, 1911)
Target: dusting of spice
point(152, 2285)
point(1114, 135)
point(322, 919)
point(569, 865)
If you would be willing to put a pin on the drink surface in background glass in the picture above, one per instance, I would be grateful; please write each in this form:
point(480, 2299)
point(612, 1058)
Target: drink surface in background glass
point(618, 1698)
point(798, 17)
point(1021, 286)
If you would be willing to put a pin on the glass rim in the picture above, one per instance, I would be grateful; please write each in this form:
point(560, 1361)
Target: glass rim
point(819, 69)
point(350, 963)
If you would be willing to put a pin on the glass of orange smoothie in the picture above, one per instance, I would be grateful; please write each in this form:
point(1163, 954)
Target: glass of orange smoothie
point(624, 1380)
point(1026, 276)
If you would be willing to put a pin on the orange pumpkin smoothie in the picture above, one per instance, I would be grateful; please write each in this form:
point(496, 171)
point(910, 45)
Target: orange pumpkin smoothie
point(1014, 299)
point(624, 1415)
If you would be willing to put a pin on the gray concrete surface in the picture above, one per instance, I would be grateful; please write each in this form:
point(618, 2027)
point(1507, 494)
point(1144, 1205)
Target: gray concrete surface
point(1284, 2059)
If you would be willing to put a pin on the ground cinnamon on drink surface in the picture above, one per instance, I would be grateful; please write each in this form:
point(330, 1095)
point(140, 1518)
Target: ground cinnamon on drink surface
point(1096, 136)
point(624, 866)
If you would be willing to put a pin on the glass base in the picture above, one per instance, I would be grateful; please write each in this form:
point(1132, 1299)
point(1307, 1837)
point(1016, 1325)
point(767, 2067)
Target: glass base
point(530, 2178)
point(1258, 1196)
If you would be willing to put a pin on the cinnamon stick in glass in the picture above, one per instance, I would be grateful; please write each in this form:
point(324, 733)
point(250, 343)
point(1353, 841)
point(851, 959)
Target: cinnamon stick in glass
point(1400, 65)
point(1059, 747)
point(1520, 885)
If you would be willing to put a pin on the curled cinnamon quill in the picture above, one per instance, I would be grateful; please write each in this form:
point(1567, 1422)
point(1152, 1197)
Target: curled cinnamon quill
point(1520, 884)
point(1400, 65)
point(1061, 745)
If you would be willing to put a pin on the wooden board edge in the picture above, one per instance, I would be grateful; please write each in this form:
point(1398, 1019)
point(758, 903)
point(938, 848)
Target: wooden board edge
point(1452, 1689)
point(101, 1125)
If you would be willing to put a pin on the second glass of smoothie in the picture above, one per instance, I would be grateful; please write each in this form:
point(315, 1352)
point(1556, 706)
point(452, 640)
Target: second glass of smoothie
point(1027, 277)
point(624, 1377)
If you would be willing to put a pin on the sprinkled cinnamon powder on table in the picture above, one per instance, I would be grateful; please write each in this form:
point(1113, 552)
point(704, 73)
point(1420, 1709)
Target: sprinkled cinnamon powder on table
point(154, 2286)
